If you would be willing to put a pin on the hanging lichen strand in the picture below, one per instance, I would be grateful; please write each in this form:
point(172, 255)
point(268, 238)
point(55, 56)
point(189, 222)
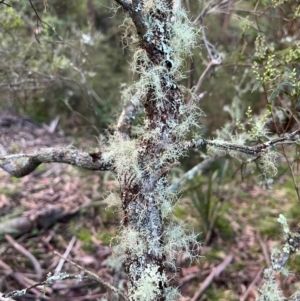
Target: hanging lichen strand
point(149, 238)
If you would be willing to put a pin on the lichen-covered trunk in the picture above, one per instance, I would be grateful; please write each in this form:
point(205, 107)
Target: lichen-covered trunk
point(143, 186)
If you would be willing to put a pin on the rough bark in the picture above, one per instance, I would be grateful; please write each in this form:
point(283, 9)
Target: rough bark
point(140, 195)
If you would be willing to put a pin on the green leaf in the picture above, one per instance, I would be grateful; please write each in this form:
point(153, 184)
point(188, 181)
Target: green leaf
point(255, 87)
point(274, 94)
point(269, 107)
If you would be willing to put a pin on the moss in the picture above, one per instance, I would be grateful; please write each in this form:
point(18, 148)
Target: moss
point(84, 235)
point(105, 237)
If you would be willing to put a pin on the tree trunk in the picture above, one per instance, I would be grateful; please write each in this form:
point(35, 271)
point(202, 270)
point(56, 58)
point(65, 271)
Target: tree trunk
point(144, 187)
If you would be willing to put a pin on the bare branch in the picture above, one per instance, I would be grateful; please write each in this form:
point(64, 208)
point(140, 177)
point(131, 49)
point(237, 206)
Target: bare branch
point(204, 12)
point(20, 165)
point(27, 254)
point(249, 150)
point(214, 58)
point(94, 276)
point(3, 2)
point(66, 254)
point(40, 21)
point(125, 4)
point(48, 282)
point(196, 170)
point(210, 66)
point(211, 6)
point(213, 274)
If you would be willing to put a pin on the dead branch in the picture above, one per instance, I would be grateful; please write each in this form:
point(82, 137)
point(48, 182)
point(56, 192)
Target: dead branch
point(66, 254)
point(26, 253)
point(20, 165)
point(213, 63)
point(196, 170)
point(43, 215)
point(214, 273)
point(250, 287)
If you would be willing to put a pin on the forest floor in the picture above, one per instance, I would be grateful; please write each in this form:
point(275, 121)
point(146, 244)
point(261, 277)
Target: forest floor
point(60, 208)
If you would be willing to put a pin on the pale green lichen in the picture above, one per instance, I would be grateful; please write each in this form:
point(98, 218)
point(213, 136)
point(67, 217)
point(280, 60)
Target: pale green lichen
point(172, 294)
point(112, 200)
point(270, 290)
point(133, 241)
point(148, 286)
point(174, 37)
point(164, 198)
point(268, 162)
point(125, 155)
point(282, 220)
point(178, 240)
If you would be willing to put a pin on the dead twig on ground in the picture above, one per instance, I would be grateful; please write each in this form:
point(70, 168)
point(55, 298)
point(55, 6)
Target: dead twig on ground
point(66, 254)
point(214, 273)
point(26, 253)
point(250, 287)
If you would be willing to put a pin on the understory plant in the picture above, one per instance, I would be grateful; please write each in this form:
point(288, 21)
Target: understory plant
point(160, 36)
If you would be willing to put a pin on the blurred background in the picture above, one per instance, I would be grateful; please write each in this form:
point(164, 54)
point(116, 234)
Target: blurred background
point(62, 67)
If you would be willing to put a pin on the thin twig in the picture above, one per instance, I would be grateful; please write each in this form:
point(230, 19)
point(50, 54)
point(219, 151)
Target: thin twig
point(2, 2)
point(38, 19)
point(196, 170)
point(48, 282)
point(296, 185)
point(214, 273)
point(66, 254)
point(27, 254)
point(264, 249)
point(213, 63)
point(214, 57)
point(94, 276)
point(250, 287)
point(249, 150)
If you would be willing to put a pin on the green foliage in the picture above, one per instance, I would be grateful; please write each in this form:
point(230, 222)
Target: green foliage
point(60, 70)
point(10, 19)
point(206, 196)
